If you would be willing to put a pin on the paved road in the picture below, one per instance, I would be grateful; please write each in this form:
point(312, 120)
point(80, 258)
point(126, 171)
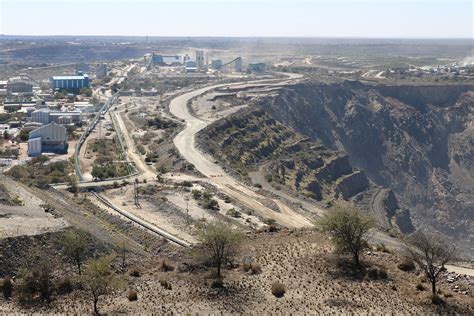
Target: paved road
point(185, 143)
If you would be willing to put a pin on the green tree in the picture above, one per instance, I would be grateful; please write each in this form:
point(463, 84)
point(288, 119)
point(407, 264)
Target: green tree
point(7, 288)
point(431, 253)
point(38, 279)
point(73, 188)
point(23, 135)
point(75, 245)
point(99, 280)
point(87, 91)
point(219, 243)
point(349, 228)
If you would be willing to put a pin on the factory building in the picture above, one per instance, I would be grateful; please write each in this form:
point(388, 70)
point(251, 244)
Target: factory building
point(70, 83)
point(21, 84)
point(101, 71)
point(190, 66)
point(41, 116)
point(216, 64)
point(238, 64)
point(200, 60)
point(257, 67)
point(46, 116)
point(50, 138)
point(166, 60)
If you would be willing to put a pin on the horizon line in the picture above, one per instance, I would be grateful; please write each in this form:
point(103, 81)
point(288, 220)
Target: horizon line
point(242, 36)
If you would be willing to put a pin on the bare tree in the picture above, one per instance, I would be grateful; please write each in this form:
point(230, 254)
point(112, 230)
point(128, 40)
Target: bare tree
point(99, 280)
point(74, 244)
point(122, 250)
point(349, 228)
point(431, 253)
point(219, 243)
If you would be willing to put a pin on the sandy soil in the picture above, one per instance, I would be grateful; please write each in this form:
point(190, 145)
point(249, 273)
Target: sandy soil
point(150, 212)
point(185, 143)
point(29, 218)
point(316, 282)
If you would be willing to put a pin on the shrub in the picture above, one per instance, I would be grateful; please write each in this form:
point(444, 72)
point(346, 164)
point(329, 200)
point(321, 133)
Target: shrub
point(187, 184)
point(272, 228)
point(134, 273)
point(38, 280)
point(64, 286)
point(217, 283)
point(211, 204)
point(165, 284)
point(278, 289)
point(233, 213)
point(373, 274)
point(196, 194)
point(382, 248)
point(420, 287)
point(269, 221)
point(132, 295)
point(252, 268)
point(257, 185)
point(377, 273)
point(165, 267)
point(407, 264)
point(7, 288)
point(436, 299)
point(269, 177)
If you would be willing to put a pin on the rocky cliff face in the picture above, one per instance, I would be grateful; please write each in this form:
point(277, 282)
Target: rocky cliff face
point(252, 138)
point(417, 140)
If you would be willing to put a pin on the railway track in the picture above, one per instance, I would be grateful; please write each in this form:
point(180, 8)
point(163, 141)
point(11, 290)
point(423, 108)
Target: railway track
point(142, 223)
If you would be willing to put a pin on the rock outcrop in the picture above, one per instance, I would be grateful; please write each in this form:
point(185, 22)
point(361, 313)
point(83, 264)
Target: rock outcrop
point(252, 138)
point(416, 140)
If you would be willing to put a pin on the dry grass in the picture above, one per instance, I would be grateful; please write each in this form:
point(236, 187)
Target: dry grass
point(302, 261)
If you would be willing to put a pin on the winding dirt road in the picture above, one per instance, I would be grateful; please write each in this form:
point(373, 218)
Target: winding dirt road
point(185, 143)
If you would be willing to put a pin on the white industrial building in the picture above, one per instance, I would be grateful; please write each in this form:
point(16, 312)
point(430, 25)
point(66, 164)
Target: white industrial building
point(41, 116)
point(50, 138)
point(46, 116)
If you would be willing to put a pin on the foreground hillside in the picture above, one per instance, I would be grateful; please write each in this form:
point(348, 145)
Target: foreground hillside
point(315, 281)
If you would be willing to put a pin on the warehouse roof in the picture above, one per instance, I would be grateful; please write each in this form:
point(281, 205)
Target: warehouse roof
point(69, 77)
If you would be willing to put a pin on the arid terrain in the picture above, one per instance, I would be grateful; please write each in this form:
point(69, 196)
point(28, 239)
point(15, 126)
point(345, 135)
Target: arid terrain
point(242, 143)
point(316, 281)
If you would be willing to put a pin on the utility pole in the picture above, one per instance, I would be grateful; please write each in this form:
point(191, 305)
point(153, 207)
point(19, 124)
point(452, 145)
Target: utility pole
point(187, 211)
point(135, 187)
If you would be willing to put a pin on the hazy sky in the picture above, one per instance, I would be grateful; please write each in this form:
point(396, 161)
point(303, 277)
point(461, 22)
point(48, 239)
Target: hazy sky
point(308, 18)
